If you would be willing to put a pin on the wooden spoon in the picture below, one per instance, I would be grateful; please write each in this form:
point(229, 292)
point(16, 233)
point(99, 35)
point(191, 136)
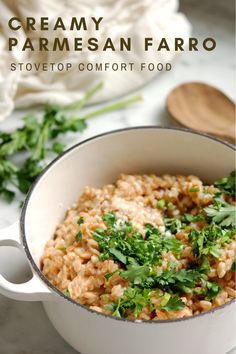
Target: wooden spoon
point(204, 108)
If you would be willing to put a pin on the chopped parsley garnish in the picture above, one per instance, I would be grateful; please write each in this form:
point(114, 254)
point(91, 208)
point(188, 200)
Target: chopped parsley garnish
point(78, 236)
point(169, 280)
point(80, 221)
point(188, 218)
point(109, 275)
point(213, 290)
point(139, 255)
point(122, 242)
point(133, 299)
point(209, 240)
point(136, 274)
point(205, 266)
point(118, 255)
point(67, 293)
point(161, 204)
point(182, 281)
point(173, 224)
point(194, 189)
point(174, 303)
point(61, 248)
point(110, 218)
point(227, 184)
point(170, 206)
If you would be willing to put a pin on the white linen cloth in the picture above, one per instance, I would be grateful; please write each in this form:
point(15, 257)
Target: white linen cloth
point(123, 18)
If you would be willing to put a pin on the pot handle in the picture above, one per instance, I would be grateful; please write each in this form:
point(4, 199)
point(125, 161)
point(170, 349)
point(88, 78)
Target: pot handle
point(32, 290)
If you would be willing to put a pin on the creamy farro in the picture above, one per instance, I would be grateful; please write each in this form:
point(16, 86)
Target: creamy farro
point(157, 208)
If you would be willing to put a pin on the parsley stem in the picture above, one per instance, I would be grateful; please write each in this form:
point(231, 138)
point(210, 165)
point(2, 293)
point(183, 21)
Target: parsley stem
point(112, 107)
point(81, 103)
point(40, 148)
point(14, 184)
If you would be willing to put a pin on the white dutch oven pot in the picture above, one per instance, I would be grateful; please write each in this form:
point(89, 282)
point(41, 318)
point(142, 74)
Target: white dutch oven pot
point(96, 162)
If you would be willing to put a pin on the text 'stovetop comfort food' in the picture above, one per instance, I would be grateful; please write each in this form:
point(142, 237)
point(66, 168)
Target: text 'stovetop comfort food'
point(148, 247)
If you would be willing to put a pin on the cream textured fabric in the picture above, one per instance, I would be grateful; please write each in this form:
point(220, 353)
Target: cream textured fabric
point(123, 18)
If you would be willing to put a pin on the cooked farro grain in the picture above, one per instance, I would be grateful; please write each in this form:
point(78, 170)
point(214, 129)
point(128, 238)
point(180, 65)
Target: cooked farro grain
point(93, 260)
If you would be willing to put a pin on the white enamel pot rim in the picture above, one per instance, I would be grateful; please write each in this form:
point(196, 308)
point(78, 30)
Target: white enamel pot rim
point(52, 290)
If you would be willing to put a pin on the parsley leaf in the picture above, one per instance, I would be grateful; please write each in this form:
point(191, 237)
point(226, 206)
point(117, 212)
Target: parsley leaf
point(133, 299)
point(161, 204)
point(80, 221)
point(209, 240)
point(213, 290)
point(8, 177)
point(170, 280)
point(205, 266)
point(182, 281)
point(27, 174)
point(118, 255)
point(233, 268)
point(58, 148)
point(67, 293)
point(109, 275)
point(136, 274)
point(110, 218)
point(174, 225)
point(7, 194)
point(170, 243)
point(174, 304)
point(222, 215)
point(194, 189)
point(227, 184)
point(78, 237)
point(188, 218)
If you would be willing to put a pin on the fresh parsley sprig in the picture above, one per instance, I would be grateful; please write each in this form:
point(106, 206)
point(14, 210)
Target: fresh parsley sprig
point(37, 139)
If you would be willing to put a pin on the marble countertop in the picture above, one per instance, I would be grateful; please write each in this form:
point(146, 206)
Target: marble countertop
point(24, 327)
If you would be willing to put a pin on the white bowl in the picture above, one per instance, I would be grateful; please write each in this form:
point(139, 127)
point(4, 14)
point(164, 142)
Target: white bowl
point(95, 162)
